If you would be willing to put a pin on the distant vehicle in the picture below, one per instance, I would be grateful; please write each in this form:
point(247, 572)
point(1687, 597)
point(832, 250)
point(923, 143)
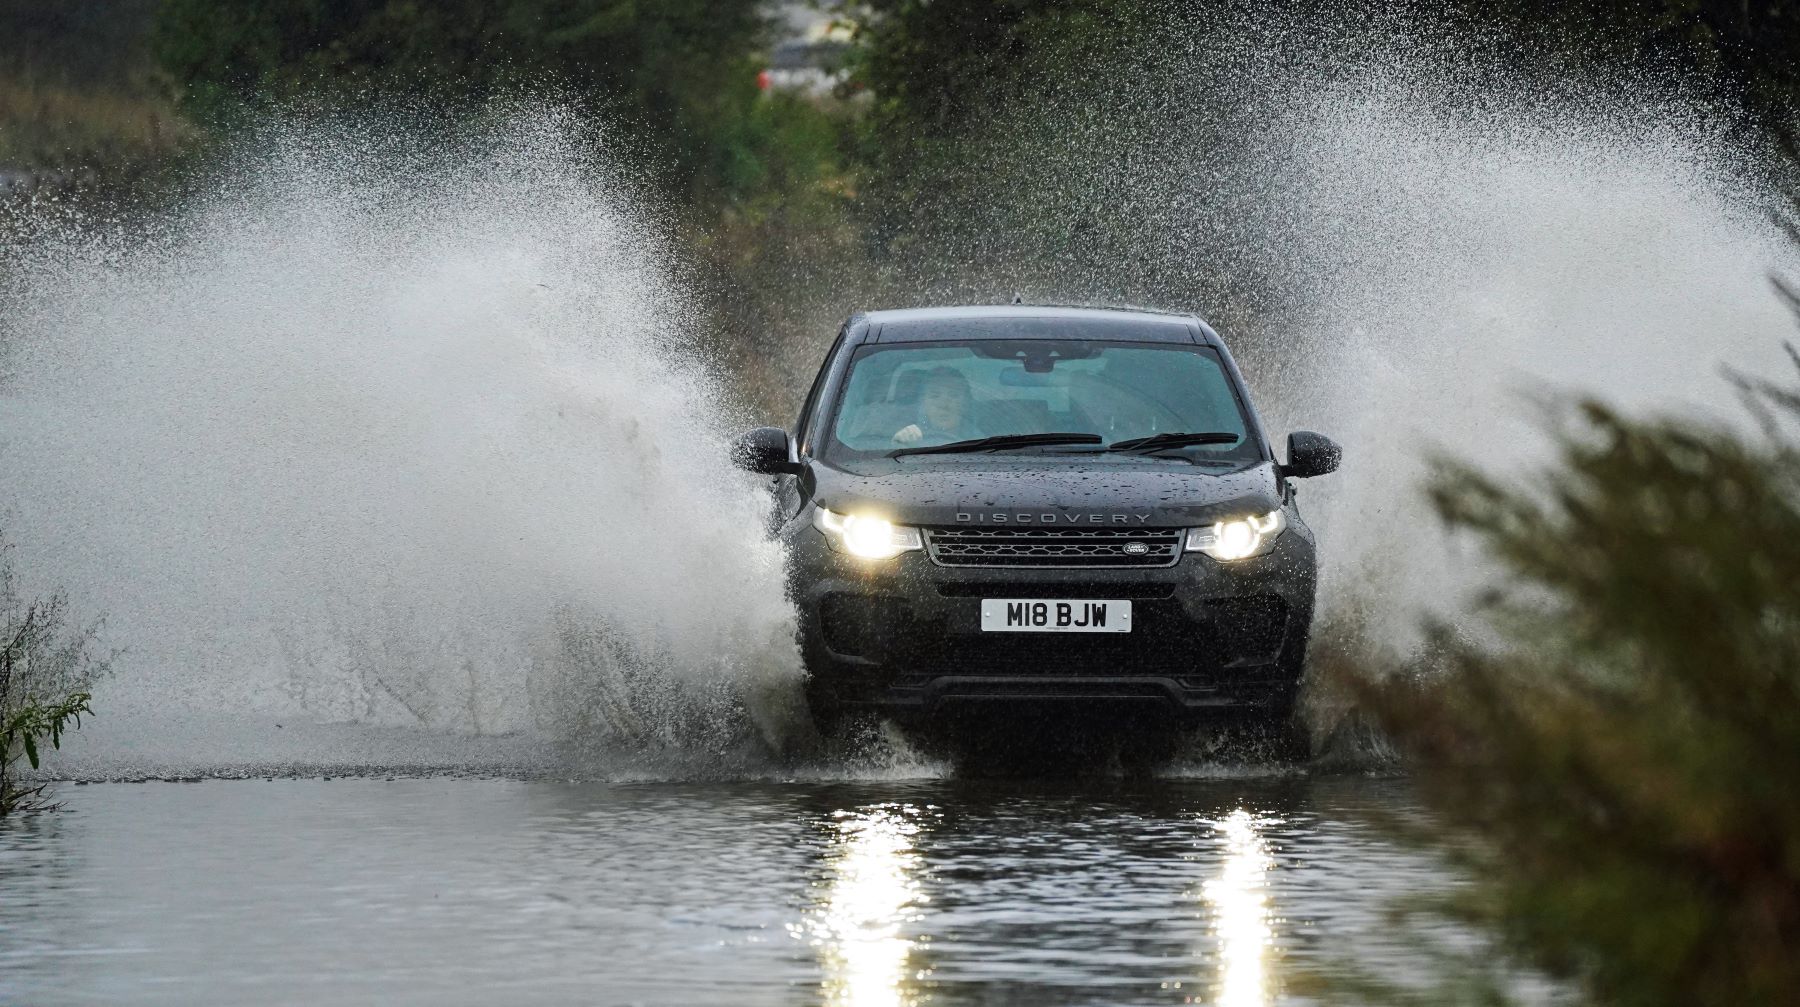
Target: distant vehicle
point(808, 67)
point(1002, 507)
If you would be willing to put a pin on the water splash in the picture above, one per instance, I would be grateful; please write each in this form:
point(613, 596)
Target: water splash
point(1401, 231)
point(398, 430)
point(388, 431)
point(1462, 242)
point(1462, 264)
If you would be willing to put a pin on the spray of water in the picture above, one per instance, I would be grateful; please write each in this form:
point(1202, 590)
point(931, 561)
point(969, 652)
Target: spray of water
point(1461, 259)
point(391, 431)
point(1461, 244)
point(1404, 234)
point(1408, 236)
point(395, 435)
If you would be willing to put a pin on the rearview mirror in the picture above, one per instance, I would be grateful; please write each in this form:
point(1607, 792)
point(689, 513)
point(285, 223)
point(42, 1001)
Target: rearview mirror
point(1311, 454)
point(765, 450)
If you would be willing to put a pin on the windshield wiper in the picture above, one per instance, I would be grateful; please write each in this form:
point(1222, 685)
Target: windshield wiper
point(1000, 443)
point(1159, 442)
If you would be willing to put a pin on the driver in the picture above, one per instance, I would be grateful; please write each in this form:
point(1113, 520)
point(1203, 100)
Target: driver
point(946, 407)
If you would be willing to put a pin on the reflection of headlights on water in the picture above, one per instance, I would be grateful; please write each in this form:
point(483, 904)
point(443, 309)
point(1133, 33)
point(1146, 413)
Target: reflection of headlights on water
point(870, 897)
point(865, 535)
point(1242, 918)
point(1238, 538)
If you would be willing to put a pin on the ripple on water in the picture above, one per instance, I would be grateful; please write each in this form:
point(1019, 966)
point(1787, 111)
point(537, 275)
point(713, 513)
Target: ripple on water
point(863, 892)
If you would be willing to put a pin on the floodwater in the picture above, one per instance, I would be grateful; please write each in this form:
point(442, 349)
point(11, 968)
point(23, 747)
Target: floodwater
point(1229, 891)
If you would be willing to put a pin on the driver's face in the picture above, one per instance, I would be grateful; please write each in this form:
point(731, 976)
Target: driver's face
point(942, 405)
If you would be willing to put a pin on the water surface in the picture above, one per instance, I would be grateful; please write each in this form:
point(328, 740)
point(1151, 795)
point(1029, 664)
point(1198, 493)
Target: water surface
point(435, 891)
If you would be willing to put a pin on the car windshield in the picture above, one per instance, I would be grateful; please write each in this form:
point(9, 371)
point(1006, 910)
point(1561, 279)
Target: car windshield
point(924, 394)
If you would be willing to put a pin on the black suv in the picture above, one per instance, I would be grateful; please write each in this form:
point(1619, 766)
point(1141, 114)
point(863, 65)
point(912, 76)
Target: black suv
point(1007, 506)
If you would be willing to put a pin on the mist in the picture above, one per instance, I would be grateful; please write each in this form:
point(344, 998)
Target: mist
point(396, 430)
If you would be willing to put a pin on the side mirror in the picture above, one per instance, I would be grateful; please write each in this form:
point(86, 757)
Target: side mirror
point(765, 450)
point(1311, 454)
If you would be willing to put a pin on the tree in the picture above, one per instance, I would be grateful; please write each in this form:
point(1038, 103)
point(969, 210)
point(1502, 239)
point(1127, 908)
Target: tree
point(685, 67)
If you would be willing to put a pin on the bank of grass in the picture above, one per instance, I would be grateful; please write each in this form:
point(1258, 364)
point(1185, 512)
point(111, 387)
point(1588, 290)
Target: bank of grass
point(48, 666)
point(1615, 762)
point(59, 130)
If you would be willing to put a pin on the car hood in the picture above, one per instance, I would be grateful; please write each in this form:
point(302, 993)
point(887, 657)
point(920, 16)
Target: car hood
point(1064, 494)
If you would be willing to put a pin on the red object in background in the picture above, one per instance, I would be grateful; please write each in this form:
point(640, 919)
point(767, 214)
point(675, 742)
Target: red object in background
point(762, 80)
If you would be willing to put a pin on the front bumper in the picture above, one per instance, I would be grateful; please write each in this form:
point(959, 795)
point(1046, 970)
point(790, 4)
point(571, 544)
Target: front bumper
point(903, 636)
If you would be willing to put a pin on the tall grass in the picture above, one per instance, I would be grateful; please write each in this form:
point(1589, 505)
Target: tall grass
point(1618, 760)
point(58, 130)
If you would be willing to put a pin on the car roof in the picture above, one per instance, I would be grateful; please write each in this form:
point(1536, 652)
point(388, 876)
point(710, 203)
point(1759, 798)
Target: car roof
point(917, 324)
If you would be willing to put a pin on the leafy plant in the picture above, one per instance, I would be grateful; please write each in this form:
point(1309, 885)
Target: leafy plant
point(47, 669)
point(22, 729)
point(1616, 752)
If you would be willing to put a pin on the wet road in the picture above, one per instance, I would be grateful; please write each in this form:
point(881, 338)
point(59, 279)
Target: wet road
point(453, 891)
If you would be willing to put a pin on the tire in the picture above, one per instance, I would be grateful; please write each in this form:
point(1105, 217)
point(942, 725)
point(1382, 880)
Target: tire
point(838, 723)
point(1288, 739)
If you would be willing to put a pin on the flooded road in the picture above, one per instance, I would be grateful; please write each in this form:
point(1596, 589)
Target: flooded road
point(445, 890)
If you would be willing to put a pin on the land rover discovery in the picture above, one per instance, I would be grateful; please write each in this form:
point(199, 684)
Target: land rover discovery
point(1002, 507)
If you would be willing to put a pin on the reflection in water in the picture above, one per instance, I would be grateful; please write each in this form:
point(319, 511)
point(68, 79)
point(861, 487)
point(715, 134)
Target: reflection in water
point(1239, 898)
point(663, 894)
point(870, 896)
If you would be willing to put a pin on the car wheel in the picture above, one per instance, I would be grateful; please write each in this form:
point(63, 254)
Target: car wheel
point(1287, 739)
point(839, 724)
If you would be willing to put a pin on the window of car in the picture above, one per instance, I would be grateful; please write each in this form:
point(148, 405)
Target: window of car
point(917, 394)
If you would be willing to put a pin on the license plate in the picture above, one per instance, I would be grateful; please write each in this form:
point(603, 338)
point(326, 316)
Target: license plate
point(1034, 615)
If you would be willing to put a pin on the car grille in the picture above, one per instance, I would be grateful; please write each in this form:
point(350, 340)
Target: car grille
point(1167, 637)
point(1054, 547)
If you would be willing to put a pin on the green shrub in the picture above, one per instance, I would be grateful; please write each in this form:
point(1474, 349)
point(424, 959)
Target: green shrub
point(1617, 759)
point(47, 669)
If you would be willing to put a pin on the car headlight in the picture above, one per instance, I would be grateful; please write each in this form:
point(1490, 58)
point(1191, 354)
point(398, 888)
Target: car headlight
point(865, 535)
point(1238, 537)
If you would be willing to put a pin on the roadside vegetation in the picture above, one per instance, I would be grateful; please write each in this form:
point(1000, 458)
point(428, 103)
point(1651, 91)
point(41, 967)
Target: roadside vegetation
point(82, 106)
point(48, 667)
point(1613, 759)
